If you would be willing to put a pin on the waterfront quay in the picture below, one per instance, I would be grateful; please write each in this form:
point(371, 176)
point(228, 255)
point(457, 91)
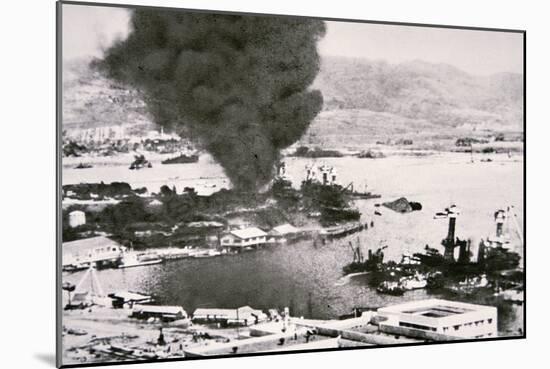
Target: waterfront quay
point(103, 333)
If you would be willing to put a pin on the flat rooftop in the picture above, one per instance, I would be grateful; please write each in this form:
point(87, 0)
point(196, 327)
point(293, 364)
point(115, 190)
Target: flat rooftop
point(87, 244)
point(434, 308)
point(437, 311)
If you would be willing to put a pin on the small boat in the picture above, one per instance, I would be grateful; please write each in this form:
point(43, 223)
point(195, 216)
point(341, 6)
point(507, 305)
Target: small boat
point(83, 166)
point(391, 288)
point(76, 332)
point(121, 349)
point(470, 286)
point(182, 159)
point(414, 283)
point(68, 286)
point(206, 253)
point(76, 267)
point(441, 215)
point(515, 295)
point(365, 195)
point(370, 154)
point(140, 162)
point(176, 253)
point(131, 259)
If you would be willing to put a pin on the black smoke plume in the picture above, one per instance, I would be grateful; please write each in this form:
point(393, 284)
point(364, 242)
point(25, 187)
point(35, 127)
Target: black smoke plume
point(238, 84)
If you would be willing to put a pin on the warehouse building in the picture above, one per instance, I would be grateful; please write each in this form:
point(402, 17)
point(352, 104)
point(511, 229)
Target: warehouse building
point(242, 238)
point(435, 319)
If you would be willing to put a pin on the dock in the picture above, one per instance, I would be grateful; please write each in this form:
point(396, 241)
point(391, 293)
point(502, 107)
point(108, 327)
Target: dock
point(342, 230)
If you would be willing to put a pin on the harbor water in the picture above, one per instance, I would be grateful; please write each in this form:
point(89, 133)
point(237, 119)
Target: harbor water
point(308, 278)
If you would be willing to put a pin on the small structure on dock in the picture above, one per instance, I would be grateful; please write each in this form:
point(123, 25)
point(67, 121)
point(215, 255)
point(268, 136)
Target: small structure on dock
point(246, 237)
point(438, 319)
point(243, 316)
point(343, 230)
point(282, 233)
point(164, 313)
point(123, 299)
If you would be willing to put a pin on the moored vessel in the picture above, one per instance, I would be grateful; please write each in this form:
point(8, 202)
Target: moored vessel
point(133, 259)
point(182, 159)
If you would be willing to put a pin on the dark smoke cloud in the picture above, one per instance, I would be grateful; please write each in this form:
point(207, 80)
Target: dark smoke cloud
point(238, 84)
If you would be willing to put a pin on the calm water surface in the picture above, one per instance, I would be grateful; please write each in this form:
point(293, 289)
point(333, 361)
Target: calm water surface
point(309, 279)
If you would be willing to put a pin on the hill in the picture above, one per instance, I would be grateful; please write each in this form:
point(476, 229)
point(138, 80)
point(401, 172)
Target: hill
point(438, 93)
point(91, 100)
point(364, 101)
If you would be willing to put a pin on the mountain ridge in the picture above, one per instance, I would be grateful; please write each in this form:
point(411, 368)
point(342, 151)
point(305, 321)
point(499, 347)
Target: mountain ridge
point(439, 93)
point(417, 91)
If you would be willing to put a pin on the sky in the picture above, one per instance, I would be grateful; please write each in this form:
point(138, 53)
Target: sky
point(87, 30)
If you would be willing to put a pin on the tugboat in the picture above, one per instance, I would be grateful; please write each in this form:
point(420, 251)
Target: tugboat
point(182, 159)
point(140, 162)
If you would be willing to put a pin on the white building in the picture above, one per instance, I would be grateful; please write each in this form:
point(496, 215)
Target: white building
point(246, 237)
point(245, 315)
point(449, 318)
point(165, 313)
point(282, 233)
point(77, 218)
point(98, 250)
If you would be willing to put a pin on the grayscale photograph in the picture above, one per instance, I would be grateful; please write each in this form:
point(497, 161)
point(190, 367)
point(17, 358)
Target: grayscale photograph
point(233, 184)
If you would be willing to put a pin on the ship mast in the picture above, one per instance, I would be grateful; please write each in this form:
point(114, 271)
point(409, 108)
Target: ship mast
point(516, 224)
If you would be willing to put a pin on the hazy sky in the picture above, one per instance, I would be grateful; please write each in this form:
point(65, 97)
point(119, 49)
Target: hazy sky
point(88, 29)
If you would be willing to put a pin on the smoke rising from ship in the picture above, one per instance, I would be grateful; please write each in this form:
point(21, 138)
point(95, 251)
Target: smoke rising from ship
point(238, 84)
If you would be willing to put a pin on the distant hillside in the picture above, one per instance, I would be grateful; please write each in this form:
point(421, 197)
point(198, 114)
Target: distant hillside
point(364, 99)
point(91, 100)
point(437, 93)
